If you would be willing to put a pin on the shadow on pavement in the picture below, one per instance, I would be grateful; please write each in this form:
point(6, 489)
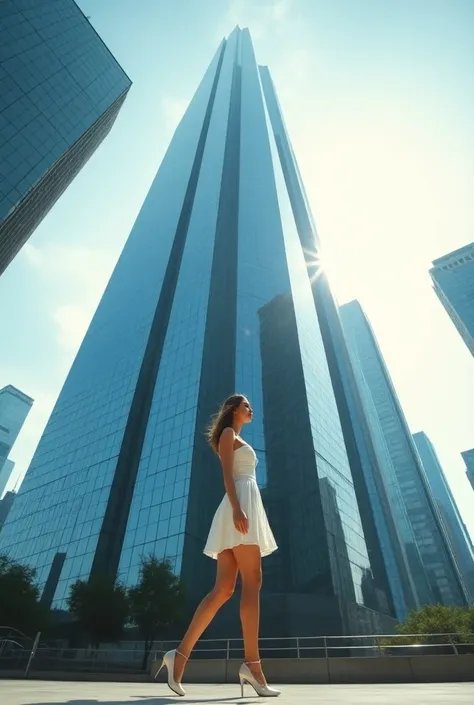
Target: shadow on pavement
point(149, 700)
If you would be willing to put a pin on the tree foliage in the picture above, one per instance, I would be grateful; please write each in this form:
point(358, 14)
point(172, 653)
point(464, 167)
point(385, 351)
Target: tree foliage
point(432, 622)
point(101, 607)
point(19, 597)
point(156, 601)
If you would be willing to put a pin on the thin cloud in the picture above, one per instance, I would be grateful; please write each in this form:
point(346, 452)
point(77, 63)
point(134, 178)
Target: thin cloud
point(76, 276)
point(72, 321)
point(261, 16)
point(72, 279)
point(173, 109)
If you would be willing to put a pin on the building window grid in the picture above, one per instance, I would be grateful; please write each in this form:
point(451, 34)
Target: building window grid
point(158, 511)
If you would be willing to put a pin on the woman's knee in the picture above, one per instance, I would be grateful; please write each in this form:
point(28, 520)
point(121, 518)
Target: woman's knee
point(224, 590)
point(249, 564)
point(252, 578)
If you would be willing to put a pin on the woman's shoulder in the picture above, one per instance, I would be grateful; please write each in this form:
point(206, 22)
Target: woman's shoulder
point(228, 432)
point(226, 440)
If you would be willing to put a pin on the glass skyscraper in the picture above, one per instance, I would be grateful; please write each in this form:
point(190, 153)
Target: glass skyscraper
point(212, 293)
point(406, 573)
point(468, 457)
point(456, 530)
point(6, 503)
point(61, 90)
point(453, 281)
point(435, 550)
point(14, 408)
point(5, 474)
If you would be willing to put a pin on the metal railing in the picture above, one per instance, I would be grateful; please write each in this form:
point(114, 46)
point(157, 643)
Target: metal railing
point(72, 660)
point(7, 632)
point(14, 657)
point(371, 645)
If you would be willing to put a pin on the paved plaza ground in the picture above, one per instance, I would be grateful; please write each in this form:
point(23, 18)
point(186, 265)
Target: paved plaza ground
point(59, 693)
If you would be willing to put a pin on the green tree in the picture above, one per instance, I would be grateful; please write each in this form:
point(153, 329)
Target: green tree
point(156, 601)
point(436, 619)
point(101, 608)
point(19, 597)
point(470, 622)
point(431, 620)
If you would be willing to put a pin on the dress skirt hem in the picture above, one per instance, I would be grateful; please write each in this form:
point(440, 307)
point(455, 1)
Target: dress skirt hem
point(263, 552)
point(223, 535)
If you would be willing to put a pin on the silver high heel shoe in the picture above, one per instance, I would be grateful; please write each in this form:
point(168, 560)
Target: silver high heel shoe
point(246, 676)
point(168, 661)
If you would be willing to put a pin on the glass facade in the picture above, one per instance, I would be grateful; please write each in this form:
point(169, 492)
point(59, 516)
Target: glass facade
point(457, 533)
point(211, 294)
point(344, 495)
point(468, 457)
point(5, 474)
point(5, 505)
point(406, 573)
point(61, 91)
point(453, 281)
point(14, 408)
point(444, 579)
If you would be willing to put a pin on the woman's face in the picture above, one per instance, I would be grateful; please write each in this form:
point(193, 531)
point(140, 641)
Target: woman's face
point(244, 413)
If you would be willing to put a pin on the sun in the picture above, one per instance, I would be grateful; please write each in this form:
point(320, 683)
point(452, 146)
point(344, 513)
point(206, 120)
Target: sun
point(321, 263)
point(342, 277)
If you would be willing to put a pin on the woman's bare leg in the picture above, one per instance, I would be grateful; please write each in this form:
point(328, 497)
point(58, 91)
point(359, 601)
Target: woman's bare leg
point(249, 563)
point(206, 611)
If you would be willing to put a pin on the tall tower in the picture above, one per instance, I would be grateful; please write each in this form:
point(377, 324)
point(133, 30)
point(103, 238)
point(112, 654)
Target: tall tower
point(212, 293)
point(468, 457)
point(407, 576)
point(61, 90)
point(14, 408)
point(6, 471)
point(6, 504)
point(453, 281)
point(445, 581)
point(456, 530)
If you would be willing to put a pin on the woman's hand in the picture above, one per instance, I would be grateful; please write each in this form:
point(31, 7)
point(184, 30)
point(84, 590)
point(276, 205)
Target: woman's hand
point(241, 521)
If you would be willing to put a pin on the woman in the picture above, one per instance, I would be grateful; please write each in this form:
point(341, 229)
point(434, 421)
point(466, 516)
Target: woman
point(239, 536)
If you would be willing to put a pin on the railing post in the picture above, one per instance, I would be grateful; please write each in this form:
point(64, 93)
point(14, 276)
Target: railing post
point(378, 646)
point(297, 647)
point(33, 653)
point(228, 650)
point(326, 654)
point(455, 648)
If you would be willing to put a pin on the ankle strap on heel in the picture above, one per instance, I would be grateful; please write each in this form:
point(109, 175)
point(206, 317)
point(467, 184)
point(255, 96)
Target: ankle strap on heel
point(250, 662)
point(179, 652)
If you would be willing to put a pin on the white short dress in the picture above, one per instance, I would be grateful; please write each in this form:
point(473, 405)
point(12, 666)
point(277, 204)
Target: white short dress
point(223, 534)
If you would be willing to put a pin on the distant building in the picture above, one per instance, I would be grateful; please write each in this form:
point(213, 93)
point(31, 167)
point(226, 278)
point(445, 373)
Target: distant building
point(14, 408)
point(5, 474)
point(468, 457)
point(445, 581)
point(457, 533)
point(5, 505)
point(453, 281)
point(61, 90)
point(407, 575)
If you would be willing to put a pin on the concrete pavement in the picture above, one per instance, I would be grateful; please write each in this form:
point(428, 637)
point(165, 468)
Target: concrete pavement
point(60, 693)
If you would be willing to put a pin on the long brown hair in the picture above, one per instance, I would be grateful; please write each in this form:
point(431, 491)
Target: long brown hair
point(223, 419)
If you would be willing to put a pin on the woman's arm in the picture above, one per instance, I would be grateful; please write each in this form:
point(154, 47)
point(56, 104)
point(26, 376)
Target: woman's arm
point(226, 455)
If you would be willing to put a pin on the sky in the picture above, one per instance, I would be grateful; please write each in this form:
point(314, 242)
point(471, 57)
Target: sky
point(378, 99)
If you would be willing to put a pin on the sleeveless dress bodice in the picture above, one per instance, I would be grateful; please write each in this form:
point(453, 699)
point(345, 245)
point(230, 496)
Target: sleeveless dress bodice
point(245, 462)
point(223, 534)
